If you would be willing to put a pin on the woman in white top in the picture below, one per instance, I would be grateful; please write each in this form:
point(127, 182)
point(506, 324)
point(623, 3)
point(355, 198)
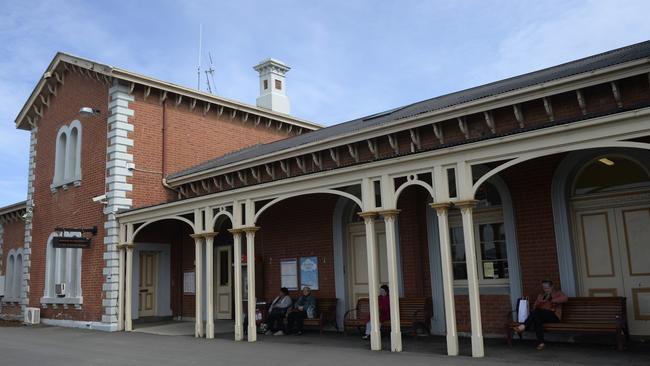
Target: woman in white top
point(277, 312)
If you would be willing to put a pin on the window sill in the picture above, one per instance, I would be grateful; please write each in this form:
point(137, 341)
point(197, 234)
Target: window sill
point(62, 300)
point(65, 184)
point(10, 300)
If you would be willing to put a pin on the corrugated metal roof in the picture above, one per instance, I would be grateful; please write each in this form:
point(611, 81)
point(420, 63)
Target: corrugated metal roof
point(599, 61)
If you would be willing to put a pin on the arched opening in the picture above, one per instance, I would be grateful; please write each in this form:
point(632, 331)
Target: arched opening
point(306, 228)
point(163, 270)
point(608, 197)
point(223, 275)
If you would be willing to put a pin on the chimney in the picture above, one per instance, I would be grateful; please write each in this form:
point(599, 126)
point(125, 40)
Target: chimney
point(273, 88)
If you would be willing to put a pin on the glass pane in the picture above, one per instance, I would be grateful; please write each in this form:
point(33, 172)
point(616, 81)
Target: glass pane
point(458, 253)
point(224, 269)
point(495, 269)
point(610, 173)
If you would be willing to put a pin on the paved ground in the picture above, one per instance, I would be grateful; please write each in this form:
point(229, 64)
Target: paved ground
point(44, 346)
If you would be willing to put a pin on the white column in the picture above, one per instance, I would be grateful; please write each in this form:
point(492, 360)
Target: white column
point(466, 208)
point(393, 283)
point(128, 298)
point(198, 291)
point(447, 277)
point(373, 279)
point(250, 268)
point(239, 311)
point(120, 289)
point(209, 284)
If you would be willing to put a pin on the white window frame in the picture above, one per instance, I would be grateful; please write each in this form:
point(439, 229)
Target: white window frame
point(63, 265)
point(482, 216)
point(14, 276)
point(67, 157)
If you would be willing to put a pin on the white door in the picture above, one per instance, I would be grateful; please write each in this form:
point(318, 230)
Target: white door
point(613, 247)
point(147, 286)
point(357, 271)
point(223, 282)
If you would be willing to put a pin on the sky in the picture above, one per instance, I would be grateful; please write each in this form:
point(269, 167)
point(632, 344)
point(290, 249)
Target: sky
point(349, 58)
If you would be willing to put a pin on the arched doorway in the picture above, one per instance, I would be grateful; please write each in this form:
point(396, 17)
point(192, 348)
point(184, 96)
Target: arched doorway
point(223, 272)
point(609, 202)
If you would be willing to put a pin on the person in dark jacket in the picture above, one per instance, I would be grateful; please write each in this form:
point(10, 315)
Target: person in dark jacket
point(304, 307)
point(384, 310)
point(547, 309)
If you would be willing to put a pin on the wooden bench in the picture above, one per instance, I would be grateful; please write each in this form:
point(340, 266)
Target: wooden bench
point(414, 312)
point(588, 315)
point(325, 314)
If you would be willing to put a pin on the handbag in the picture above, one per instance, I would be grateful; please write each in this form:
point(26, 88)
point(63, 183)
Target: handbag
point(522, 309)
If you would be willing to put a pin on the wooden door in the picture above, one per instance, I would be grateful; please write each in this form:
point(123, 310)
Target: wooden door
point(357, 268)
point(634, 238)
point(147, 287)
point(223, 282)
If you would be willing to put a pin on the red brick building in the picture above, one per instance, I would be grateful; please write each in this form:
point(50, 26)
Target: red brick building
point(469, 199)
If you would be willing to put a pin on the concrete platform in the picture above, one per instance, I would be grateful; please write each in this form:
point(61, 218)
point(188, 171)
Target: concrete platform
point(181, 328)
point(43, 345)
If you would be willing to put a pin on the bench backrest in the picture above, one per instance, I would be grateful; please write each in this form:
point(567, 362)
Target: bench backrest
point(326, 305)
point(593, 310)
point(410, 308)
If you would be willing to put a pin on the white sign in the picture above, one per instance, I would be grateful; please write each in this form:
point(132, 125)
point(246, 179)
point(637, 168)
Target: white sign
point(289, 274)
point(189, 283)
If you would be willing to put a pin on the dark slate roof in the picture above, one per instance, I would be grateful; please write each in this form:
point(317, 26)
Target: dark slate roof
point(610, 58)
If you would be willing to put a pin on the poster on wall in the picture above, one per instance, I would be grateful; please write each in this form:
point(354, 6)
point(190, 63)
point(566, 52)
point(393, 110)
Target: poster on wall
point(309, 272)
point(189, 283)
point(289, 273)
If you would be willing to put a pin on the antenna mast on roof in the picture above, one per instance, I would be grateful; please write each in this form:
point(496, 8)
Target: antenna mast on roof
point(209, 75)
point(198, 67)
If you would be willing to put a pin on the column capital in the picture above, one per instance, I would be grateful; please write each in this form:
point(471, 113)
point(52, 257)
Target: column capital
point(466, 204)
point(125, 246)
point(210, 234)
point(440, 206)
point(197, 236)
point(368, 214)
point(236, 231)
point(389, 213)
point(250, 229)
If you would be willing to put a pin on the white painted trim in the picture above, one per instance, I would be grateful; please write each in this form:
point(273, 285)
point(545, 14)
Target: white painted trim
point(302, 193)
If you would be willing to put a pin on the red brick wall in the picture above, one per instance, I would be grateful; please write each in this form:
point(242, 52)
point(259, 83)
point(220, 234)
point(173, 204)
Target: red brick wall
point(493, 313)
point(190, 139)
point(72, 207)
point(297, 227)
point(530, 187)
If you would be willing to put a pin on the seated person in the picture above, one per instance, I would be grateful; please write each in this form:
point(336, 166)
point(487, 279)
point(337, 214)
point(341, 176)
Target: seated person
point(384, 310)
point(304, 307)
point(277, 311)
point(547, 309)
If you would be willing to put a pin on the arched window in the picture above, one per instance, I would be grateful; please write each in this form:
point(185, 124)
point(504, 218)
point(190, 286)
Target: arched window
point(9, 277)
point(67, 164)
point(62, 266)
point(607, 174)
point(14, 276)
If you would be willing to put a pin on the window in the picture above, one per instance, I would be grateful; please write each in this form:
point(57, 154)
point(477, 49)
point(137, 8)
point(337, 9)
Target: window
point(67, 157)
point(490, 239)
point(63, 266)
point(266, 84)
point(14, 276)
point(278, 84)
